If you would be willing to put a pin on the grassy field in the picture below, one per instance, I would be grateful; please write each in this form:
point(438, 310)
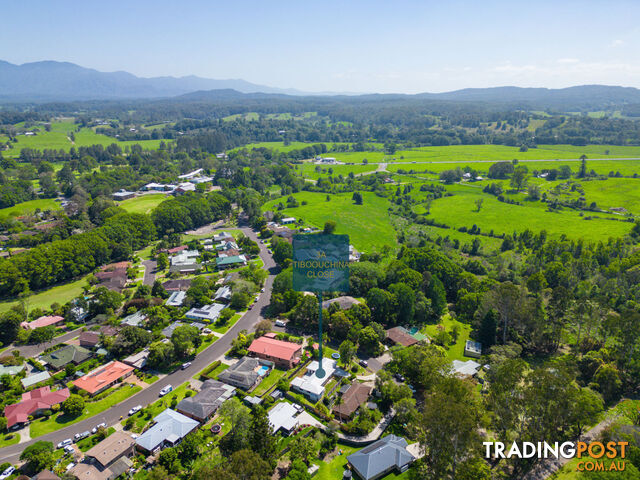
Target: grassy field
point(367, 225)
point(308, 170)
point(31, 206)
point(61, 420)
point(59, 294)
point(59, 139)
point(143, 203)
point(455, 351)
point(460, 210)
point(9, 439)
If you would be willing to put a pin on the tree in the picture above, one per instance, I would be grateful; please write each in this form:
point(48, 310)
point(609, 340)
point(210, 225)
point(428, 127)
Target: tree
point(184, 339)
point(478, 203)
point(357, 198)
point(170, 460)
point(261, 439)
point(158, 290)
point(449, 426)
point(298, 471)
point(369, 341)
point(69, 369)
point(329, 227)
point(302, 448)
point(39, 456)
point(264, 326)
point(163, 261)
point(42, 335)
point(519, 178)
point(239, 418)
point(474, 468)
point(247, 465)
point(160, 353)
point(347, 351)
point(583, 166)
point(74, 405)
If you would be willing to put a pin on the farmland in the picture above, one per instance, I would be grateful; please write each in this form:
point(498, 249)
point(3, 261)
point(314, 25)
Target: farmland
point(143, 203)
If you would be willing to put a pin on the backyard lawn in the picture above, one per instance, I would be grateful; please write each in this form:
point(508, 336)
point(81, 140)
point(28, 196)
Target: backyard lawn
point(333, 470)
point(456, 351)
point(272, 379)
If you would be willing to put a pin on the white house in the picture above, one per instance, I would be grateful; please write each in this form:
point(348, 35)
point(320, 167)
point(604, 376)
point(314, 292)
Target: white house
point(309, 384)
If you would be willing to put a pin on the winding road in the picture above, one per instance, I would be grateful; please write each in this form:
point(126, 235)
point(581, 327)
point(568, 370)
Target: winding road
point(151, 393)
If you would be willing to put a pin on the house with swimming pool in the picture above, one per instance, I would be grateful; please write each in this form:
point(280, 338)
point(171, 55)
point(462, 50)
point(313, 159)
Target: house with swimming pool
point(247, 373)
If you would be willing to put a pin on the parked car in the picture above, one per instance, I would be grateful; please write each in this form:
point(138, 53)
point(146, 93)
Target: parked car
point(81, 435)
point(7, 473)
point(206, 331)
point(279, 323)
point(94, 430)
point(64, 443)
point(186, 365)
point(363, 363)
point(135, 409)
point(399, 377)
point(165, 390)
point(69, 449)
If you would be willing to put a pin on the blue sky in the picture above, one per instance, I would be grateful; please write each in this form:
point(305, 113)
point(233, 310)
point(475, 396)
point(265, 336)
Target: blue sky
point(348, 45)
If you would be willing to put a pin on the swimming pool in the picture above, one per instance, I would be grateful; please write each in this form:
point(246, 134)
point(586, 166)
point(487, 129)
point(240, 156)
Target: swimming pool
point(262, 371)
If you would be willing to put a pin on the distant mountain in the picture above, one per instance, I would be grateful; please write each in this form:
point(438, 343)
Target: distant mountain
point(62, 81)
point(580, 97)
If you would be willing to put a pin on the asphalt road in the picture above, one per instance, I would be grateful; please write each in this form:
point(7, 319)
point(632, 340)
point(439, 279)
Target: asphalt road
point(149, 395)
point(35, 350)
point(149, 272)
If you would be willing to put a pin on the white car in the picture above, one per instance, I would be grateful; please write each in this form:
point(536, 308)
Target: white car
point(95, 429)
point(134, 435)
point(64, 443)
point(7, 473)
point(69, 449)
point(279, 323)
point(80, 436)
point(165, 390)
point(135, 410)
point(186, 365)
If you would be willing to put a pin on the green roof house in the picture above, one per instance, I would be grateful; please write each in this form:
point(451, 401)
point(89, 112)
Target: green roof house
point(67, 354)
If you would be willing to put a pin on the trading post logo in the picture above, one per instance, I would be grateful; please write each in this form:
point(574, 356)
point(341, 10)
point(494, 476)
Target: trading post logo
point(594, 453)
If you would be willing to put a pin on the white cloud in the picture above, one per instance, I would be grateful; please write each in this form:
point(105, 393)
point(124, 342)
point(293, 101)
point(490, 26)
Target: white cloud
point(617, 43)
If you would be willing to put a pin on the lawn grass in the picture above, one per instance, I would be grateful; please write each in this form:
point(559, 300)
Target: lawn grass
point(333, 470)
point(61, 420)
point(455, 351)
point(89, 442)
point(9, 439)
point(58, 294)
point(207, 340)
point(214, 373)
point(308, 170)
point(272, 379)
point(147, 414)
point(143, 203)
point(31, 206)
point(224, 328)
point(368, 225)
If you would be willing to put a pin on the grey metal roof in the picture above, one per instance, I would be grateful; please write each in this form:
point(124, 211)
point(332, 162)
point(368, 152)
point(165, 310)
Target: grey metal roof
point(212, 394)
point(242, 374)
point(170, 426)
point(382, 456)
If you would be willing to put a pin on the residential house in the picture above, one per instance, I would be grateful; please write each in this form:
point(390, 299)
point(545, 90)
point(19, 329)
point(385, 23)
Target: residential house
point(283, 418)
point(283, 354)
point(312, 386)
point(288, 220)
point(107, 460)
point(35, 379)
point(177, 285)
point(58, 359)
point(206, 314)
point(113, 276)
point(89, 339)
point(466, 369)
point(223, 237)
point(283, 232)
point(11, 369)
point(45, 321)
point(185, 262)
point(204, 404)
point(190, 175)
point(168, 431)
point(227, 245)
point(34, 403)
point(137, 360)
point(472, 349)
point(400, 336)
point(45, 475)
point(231, 262)
point(176, 299)
point(246, 373)
point(168, 331)
point(357, 394)
point(389, 454)
point(109, 331)
point(123, 194)
point(134, 320)
point(223, 295)
point(103, 377)
point(174, 250)
point(354, 255)
point(157, 187)
point(184, 187)
point(345, 302)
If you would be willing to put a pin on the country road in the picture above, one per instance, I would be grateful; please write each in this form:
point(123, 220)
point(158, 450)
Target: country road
point(150, 394)
point(35, 350)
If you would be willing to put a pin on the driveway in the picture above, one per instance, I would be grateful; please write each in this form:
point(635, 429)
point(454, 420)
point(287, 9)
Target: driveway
point(150, 267)
point(150, 394)
point(35, 350)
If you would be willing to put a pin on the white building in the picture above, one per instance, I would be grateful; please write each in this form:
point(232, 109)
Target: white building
point(176, 299)
point(309, 384)
point(283, 417)
point(206, 314)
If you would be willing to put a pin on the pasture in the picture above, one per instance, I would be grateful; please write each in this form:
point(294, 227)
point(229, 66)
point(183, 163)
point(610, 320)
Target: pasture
point(368, 225)
point(31, 206)
point(309, 170)
point(143, 203)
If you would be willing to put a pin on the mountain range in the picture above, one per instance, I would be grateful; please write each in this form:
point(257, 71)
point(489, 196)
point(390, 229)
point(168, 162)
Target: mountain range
point(49, 81)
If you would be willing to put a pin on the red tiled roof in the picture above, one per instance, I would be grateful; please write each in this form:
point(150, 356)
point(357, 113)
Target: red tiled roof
point(92, 338)
point(274, 348)
point(177, 249)
point(116, 266)
point(400, 336)
point(357, 394)
point(43, 322)
point(105, 375)
point(38, 399)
